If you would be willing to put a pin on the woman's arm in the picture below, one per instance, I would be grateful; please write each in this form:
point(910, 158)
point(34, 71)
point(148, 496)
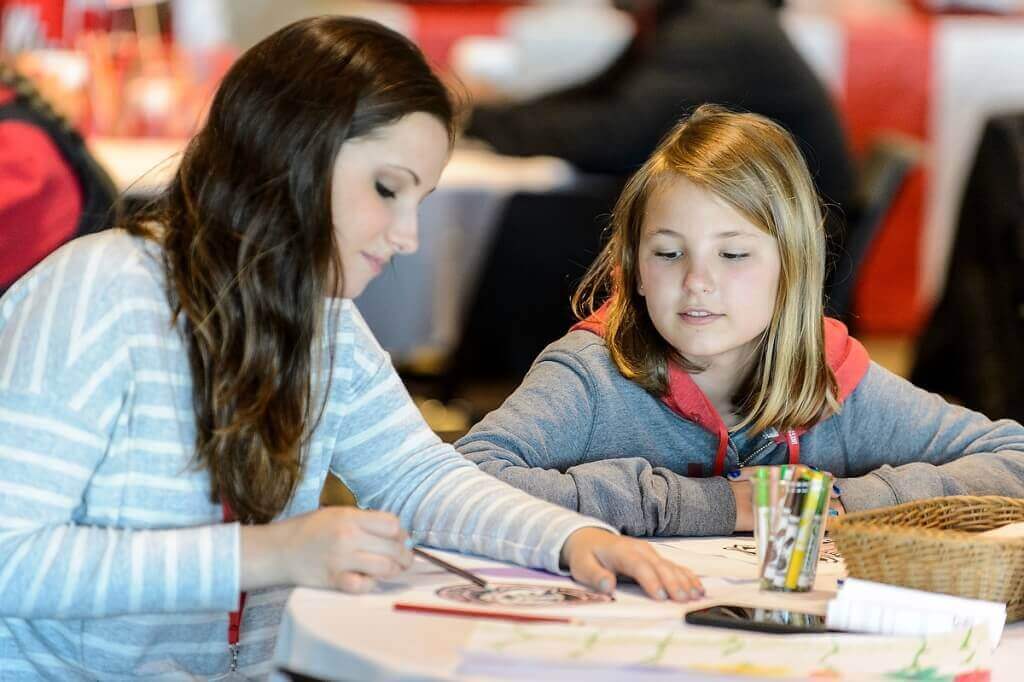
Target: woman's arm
point(65, 378)
point(54, 567)
point(391, 460)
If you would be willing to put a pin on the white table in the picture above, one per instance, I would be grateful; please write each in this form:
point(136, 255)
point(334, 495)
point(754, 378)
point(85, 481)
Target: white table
point(416, 304)
point(334, 636)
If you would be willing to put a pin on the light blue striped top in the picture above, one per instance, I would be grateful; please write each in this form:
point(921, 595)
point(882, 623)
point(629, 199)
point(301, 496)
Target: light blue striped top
point(115, 563)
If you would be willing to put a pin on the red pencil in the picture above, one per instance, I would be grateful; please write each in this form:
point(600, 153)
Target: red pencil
point(481, 613)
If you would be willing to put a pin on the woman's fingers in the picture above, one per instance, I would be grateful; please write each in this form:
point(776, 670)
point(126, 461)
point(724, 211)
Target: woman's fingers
point(680, 582)
point(379, 523)
point(355, 583)
point(586, 569)
point(375, 565)
point(392, 549)
point(659, 578)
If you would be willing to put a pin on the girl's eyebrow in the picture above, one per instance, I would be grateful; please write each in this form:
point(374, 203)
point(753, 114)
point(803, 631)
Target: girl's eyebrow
point(728, 234)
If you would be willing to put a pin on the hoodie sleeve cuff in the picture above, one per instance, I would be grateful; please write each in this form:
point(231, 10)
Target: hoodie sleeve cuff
point(866, 492)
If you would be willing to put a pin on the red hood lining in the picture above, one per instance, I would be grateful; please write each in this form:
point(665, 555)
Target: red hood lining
point(844, 354)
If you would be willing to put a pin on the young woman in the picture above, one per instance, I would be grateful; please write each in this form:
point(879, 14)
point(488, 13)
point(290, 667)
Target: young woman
point(703, 349)
point(207, 364)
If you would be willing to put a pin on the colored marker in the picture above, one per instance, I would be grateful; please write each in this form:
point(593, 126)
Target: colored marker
point(803, 538)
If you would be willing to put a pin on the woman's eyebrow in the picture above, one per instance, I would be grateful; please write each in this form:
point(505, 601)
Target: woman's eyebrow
point(415, 178)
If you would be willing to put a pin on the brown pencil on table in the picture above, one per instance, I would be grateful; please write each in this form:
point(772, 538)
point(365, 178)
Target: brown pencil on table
point(437, 561)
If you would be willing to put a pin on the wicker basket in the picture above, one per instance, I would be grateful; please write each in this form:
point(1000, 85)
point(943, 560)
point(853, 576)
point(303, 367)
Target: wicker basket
point(932, 545)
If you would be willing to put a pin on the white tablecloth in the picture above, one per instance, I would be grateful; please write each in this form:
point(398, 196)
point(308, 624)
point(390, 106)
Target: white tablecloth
point(335, 636)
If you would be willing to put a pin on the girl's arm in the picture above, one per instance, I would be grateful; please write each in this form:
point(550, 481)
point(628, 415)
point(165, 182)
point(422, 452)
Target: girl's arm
point(903, 443)
point(538, 441)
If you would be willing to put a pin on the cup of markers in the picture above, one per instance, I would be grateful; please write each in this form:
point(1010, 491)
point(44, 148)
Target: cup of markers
point(790, 510)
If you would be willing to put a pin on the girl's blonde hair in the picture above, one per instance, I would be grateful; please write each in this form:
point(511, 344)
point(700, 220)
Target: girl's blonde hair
point(754, 166)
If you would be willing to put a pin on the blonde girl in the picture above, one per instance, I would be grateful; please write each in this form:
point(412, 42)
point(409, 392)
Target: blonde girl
point(703, 349)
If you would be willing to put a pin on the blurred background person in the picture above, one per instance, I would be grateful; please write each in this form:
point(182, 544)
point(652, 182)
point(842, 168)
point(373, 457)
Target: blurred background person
point(51, 188)
point(685, 53)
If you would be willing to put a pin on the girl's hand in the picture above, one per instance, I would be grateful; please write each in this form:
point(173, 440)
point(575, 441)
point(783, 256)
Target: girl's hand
point(343, 548)
point(595, 556)
point(742, 490)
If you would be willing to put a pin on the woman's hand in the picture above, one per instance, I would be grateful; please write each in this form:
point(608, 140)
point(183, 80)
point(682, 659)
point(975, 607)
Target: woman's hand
point(343, 548)
point(595, 556)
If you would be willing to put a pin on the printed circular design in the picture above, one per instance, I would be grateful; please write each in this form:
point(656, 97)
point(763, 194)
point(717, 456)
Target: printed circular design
point(510, 594)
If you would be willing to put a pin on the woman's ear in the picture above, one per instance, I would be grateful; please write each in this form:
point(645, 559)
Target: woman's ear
point(639, 286)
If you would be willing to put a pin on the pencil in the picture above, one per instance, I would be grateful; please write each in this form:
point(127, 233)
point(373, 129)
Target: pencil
point(480, 613)
point(437, 561)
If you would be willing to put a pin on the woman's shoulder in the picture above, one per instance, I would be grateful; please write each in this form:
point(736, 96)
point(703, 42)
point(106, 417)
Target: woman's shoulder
point(355, 355)
point(111, 263)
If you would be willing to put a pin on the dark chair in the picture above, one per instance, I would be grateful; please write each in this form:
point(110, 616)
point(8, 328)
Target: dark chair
point(971, 349)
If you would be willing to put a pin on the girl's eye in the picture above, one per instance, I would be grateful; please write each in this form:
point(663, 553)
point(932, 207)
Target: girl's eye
point(734, 256)
point(668, 255)
point(384, 191)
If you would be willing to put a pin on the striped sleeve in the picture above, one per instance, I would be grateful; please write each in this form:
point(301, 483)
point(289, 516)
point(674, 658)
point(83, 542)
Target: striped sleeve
point(65, 374)
point(391, 460)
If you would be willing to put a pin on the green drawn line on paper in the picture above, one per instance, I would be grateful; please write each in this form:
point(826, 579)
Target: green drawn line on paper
point(588, 643)
point(830, 653)
point(914, 671)
point(916, 663)
point(967, 639)
point(520, 636)
point(732, 646)
point(659, 650)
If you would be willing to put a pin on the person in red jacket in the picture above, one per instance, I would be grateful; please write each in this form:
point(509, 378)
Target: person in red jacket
point(51, 189)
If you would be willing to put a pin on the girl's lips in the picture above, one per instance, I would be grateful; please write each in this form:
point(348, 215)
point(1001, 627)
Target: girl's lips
point(699, 320)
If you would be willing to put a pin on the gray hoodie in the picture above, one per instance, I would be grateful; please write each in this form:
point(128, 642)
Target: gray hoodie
point(578, 433)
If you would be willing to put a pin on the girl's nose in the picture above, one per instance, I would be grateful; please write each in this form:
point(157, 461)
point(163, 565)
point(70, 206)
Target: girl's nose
point(698, 280)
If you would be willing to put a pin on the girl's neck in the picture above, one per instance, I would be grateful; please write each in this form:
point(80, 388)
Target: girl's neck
point(719, 382)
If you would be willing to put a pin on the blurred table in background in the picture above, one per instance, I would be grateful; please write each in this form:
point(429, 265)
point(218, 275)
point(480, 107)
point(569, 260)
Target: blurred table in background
point(931, 77)
point(415, 306)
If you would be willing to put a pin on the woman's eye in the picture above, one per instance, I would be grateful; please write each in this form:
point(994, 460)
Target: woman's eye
point(668, 255)
point(731, 255)
point(384, 191)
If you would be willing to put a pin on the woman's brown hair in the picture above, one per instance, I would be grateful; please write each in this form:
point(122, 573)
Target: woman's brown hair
point(753, 165)
point(249, 244)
